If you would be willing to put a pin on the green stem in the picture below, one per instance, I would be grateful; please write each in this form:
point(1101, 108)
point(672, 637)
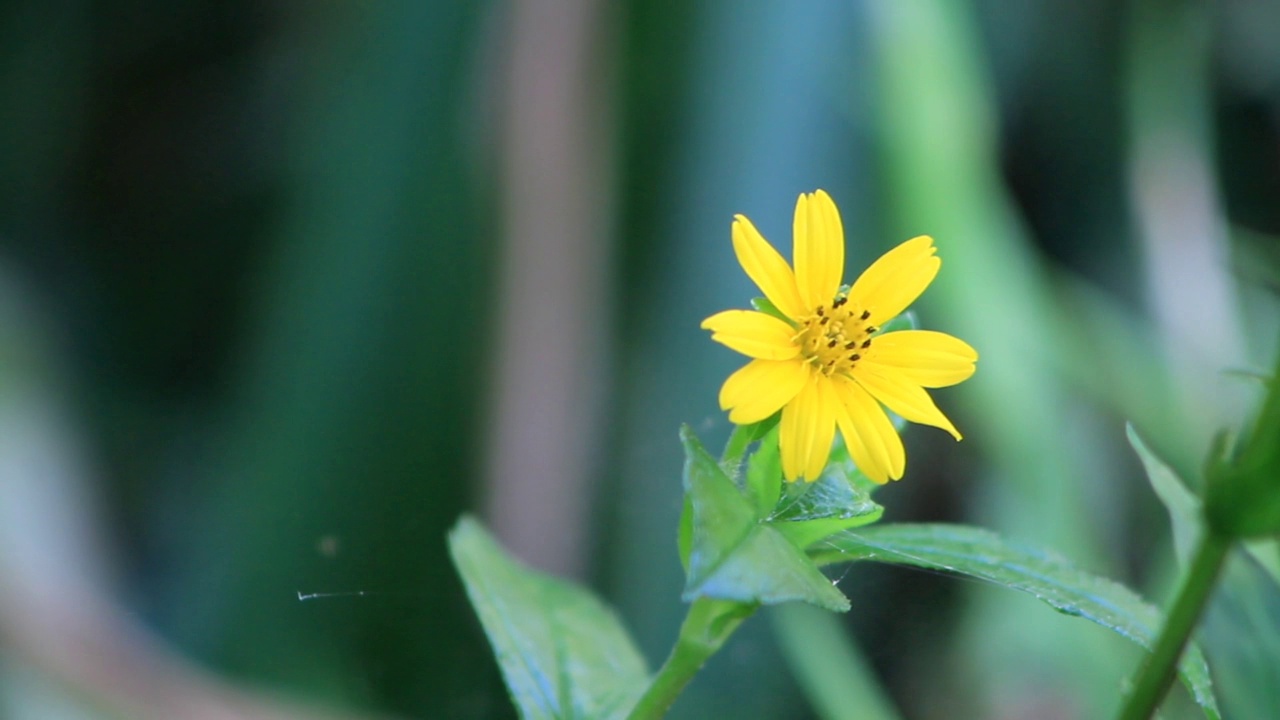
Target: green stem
point(1161, 665)
point(707, 626)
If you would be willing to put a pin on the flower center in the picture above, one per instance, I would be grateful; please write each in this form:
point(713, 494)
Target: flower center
point(834, 338)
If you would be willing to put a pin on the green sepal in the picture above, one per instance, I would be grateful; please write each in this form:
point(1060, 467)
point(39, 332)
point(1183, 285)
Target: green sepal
point(732, 555)
point(764, 305)
point(905, 321)
point(563, 653)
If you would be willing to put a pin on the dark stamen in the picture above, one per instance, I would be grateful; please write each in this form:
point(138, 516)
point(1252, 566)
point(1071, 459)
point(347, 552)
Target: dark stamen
point(833, 343)
point(852, 344)
point(865, 343)
point(855, 357)
point(866, 314)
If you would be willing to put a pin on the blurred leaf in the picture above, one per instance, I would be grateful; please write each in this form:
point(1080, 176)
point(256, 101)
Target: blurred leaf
point(979, 553)
point(1241, 635)
point(1184, 507)
point(563, 653)
point(838, 681)
point(735, 557)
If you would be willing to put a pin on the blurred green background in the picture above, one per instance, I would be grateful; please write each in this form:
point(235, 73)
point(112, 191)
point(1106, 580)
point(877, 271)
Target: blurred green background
point(286, 287)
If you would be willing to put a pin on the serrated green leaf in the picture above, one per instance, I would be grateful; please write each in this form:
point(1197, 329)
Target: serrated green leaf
point(563, 653)
point(979, 553)
point(735, 557)
point(1184, 507)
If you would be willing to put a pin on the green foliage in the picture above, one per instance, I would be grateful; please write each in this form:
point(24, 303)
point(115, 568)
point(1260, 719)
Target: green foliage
point(1241, 626)
point(1243, 495)
point(734, 556)
point(1184, 507)
point(839, 500)
point(563, 653)
point(982, 554)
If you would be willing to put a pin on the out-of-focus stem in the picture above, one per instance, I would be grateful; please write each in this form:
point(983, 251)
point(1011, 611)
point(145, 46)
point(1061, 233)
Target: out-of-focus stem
point(1162, 664)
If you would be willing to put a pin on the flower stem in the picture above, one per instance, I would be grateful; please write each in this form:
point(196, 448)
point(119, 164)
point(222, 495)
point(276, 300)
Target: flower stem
point(707, 626)
point(1161, 665)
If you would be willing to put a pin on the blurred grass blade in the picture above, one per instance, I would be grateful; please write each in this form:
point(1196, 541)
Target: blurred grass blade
point(563, 653)
point(981, 554)
point(838, 681)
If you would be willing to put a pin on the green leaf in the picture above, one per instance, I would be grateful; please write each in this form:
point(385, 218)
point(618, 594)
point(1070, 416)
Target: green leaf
point(1183, 506)
point(809, 512)
point(742, 437)
point(735, 557)
point(562, 652)
point(982, 554)
point(764, 475)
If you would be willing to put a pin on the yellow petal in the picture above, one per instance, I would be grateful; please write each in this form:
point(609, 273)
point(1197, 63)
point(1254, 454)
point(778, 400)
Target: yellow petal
point(902, 396)
point(819, 248)
point(895, 280)
point(766, 267)
point(753, 334)
point(870, 437)
point(760, 388)
point(806, 430)
point(927, 358)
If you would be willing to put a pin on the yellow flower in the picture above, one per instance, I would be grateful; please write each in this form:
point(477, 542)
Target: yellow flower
point(827, 365)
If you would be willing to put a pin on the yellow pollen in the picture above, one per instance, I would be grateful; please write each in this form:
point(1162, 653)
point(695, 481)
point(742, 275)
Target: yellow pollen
point(834, 336)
